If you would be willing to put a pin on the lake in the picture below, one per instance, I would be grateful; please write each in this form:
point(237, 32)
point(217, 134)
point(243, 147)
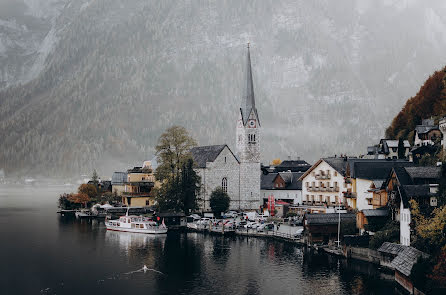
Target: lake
point(44, 253)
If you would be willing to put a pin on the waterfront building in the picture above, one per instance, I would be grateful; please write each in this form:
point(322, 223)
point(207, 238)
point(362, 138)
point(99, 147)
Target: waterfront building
point(239, 174)
point(323, 228)
point(401, 259)
point(118, 182)
point(138, 186)
point(323, 183)
point(284, 186)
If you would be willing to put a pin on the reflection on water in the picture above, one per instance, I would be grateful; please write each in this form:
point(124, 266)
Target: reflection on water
point(68, 256)
point(135, 241)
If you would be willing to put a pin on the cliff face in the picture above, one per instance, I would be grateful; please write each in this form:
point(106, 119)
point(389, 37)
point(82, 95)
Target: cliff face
point(430, 101)
point(328, 76)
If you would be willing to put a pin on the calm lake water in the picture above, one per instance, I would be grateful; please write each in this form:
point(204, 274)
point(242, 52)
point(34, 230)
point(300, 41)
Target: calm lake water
point(43, 253)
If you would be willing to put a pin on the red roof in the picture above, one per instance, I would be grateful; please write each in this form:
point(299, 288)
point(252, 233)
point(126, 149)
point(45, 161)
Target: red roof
point(280, 202)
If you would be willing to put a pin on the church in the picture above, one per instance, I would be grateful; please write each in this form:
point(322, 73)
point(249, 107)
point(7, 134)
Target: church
point(236, 172)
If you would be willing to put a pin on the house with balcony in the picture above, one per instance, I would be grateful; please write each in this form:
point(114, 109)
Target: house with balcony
point(138, 187)
point(323, 183)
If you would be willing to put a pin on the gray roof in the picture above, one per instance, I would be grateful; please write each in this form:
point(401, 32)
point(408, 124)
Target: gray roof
point(391, 248)
point(405, 260)
point(204, 154)
point(248, 102)
point(417, 190)
point(375, 212)
point(373, 168)
point(328, 218)
point(291, 179)
point(339, 164)
point(119, 178)
point(421, 129)
point(424, 172)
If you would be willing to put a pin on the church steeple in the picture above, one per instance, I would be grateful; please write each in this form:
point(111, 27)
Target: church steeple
point(248, 101)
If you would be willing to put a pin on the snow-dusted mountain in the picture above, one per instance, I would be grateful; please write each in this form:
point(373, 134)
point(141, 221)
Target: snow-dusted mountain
point(106, 77)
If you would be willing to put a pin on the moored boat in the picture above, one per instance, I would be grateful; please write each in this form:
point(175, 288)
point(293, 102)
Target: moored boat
point(135, 224)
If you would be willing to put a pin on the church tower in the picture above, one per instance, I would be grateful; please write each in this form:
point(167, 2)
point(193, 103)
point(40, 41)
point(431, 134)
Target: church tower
point(248, 144)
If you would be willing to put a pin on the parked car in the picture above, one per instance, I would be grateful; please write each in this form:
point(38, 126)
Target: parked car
point(249, 224)
point(265, 227)
point(230, 214)
point(298, 233)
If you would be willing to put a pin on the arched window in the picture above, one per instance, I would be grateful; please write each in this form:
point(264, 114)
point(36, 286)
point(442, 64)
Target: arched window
point(251, 138)
point(224, 184)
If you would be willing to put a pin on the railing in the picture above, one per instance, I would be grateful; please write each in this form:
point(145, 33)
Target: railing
point(320, 176)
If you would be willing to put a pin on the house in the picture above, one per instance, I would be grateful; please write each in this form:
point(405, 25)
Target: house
point(389, 147)
point(363, 176)
point(388, 251)
point(417, 152)
point(172, 219)
point(284, 186)
point(323, 228)
point(138, 186)
point(323, 183)
point(427, 133)
point(407, 183)
point(118, 182)
point(238, 174)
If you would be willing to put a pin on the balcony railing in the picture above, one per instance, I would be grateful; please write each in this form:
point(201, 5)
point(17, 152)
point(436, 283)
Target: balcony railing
point(322, 176)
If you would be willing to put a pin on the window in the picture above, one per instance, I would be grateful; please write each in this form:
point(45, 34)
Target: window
point(224, 184)
point(147, 202)
point(225, 159)
point(307, 184)
point(335, 173)
point(251, 138)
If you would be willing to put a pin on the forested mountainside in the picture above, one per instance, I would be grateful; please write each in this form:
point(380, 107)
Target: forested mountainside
point(328, 75)
point(430, 101)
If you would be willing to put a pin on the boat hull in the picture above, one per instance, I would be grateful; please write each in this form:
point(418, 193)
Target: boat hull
point(138, 230)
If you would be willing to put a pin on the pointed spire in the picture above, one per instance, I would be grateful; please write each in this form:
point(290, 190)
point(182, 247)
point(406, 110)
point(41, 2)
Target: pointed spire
point(248, 102)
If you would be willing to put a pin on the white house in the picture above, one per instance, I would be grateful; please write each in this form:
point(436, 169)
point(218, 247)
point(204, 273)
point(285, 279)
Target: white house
point(323, 183)
point(284, 186)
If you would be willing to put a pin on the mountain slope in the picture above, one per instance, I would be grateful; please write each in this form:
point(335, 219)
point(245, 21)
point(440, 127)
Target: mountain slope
point(430, 101)
point(327, 78)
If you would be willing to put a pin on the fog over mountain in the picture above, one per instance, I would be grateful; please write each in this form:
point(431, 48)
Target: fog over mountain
point(89, 84)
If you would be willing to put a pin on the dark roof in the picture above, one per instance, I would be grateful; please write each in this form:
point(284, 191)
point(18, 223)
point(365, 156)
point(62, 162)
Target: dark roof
point(293, 166)
point(373, 168)
point(291, 180)
point(405, 260)
point(140, 170)
point(421, 190)
point(267, 180)
point(204, 154)
point(119, 178)
point(248, 101)
point(402, 176)
point(391, 248)
point(421, 129)
point(375, 212)
point(328, 218)
point(425, 172)
point(339, 164)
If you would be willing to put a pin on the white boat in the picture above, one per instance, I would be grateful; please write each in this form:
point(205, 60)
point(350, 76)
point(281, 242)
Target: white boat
point(135, 224)
point(83, 213)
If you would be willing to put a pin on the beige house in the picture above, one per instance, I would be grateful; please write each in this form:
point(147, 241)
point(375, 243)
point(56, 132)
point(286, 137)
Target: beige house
point(138, 186)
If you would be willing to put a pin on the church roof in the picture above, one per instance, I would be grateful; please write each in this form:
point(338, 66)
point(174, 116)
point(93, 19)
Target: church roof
point(248, 101)
point(204, 154)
